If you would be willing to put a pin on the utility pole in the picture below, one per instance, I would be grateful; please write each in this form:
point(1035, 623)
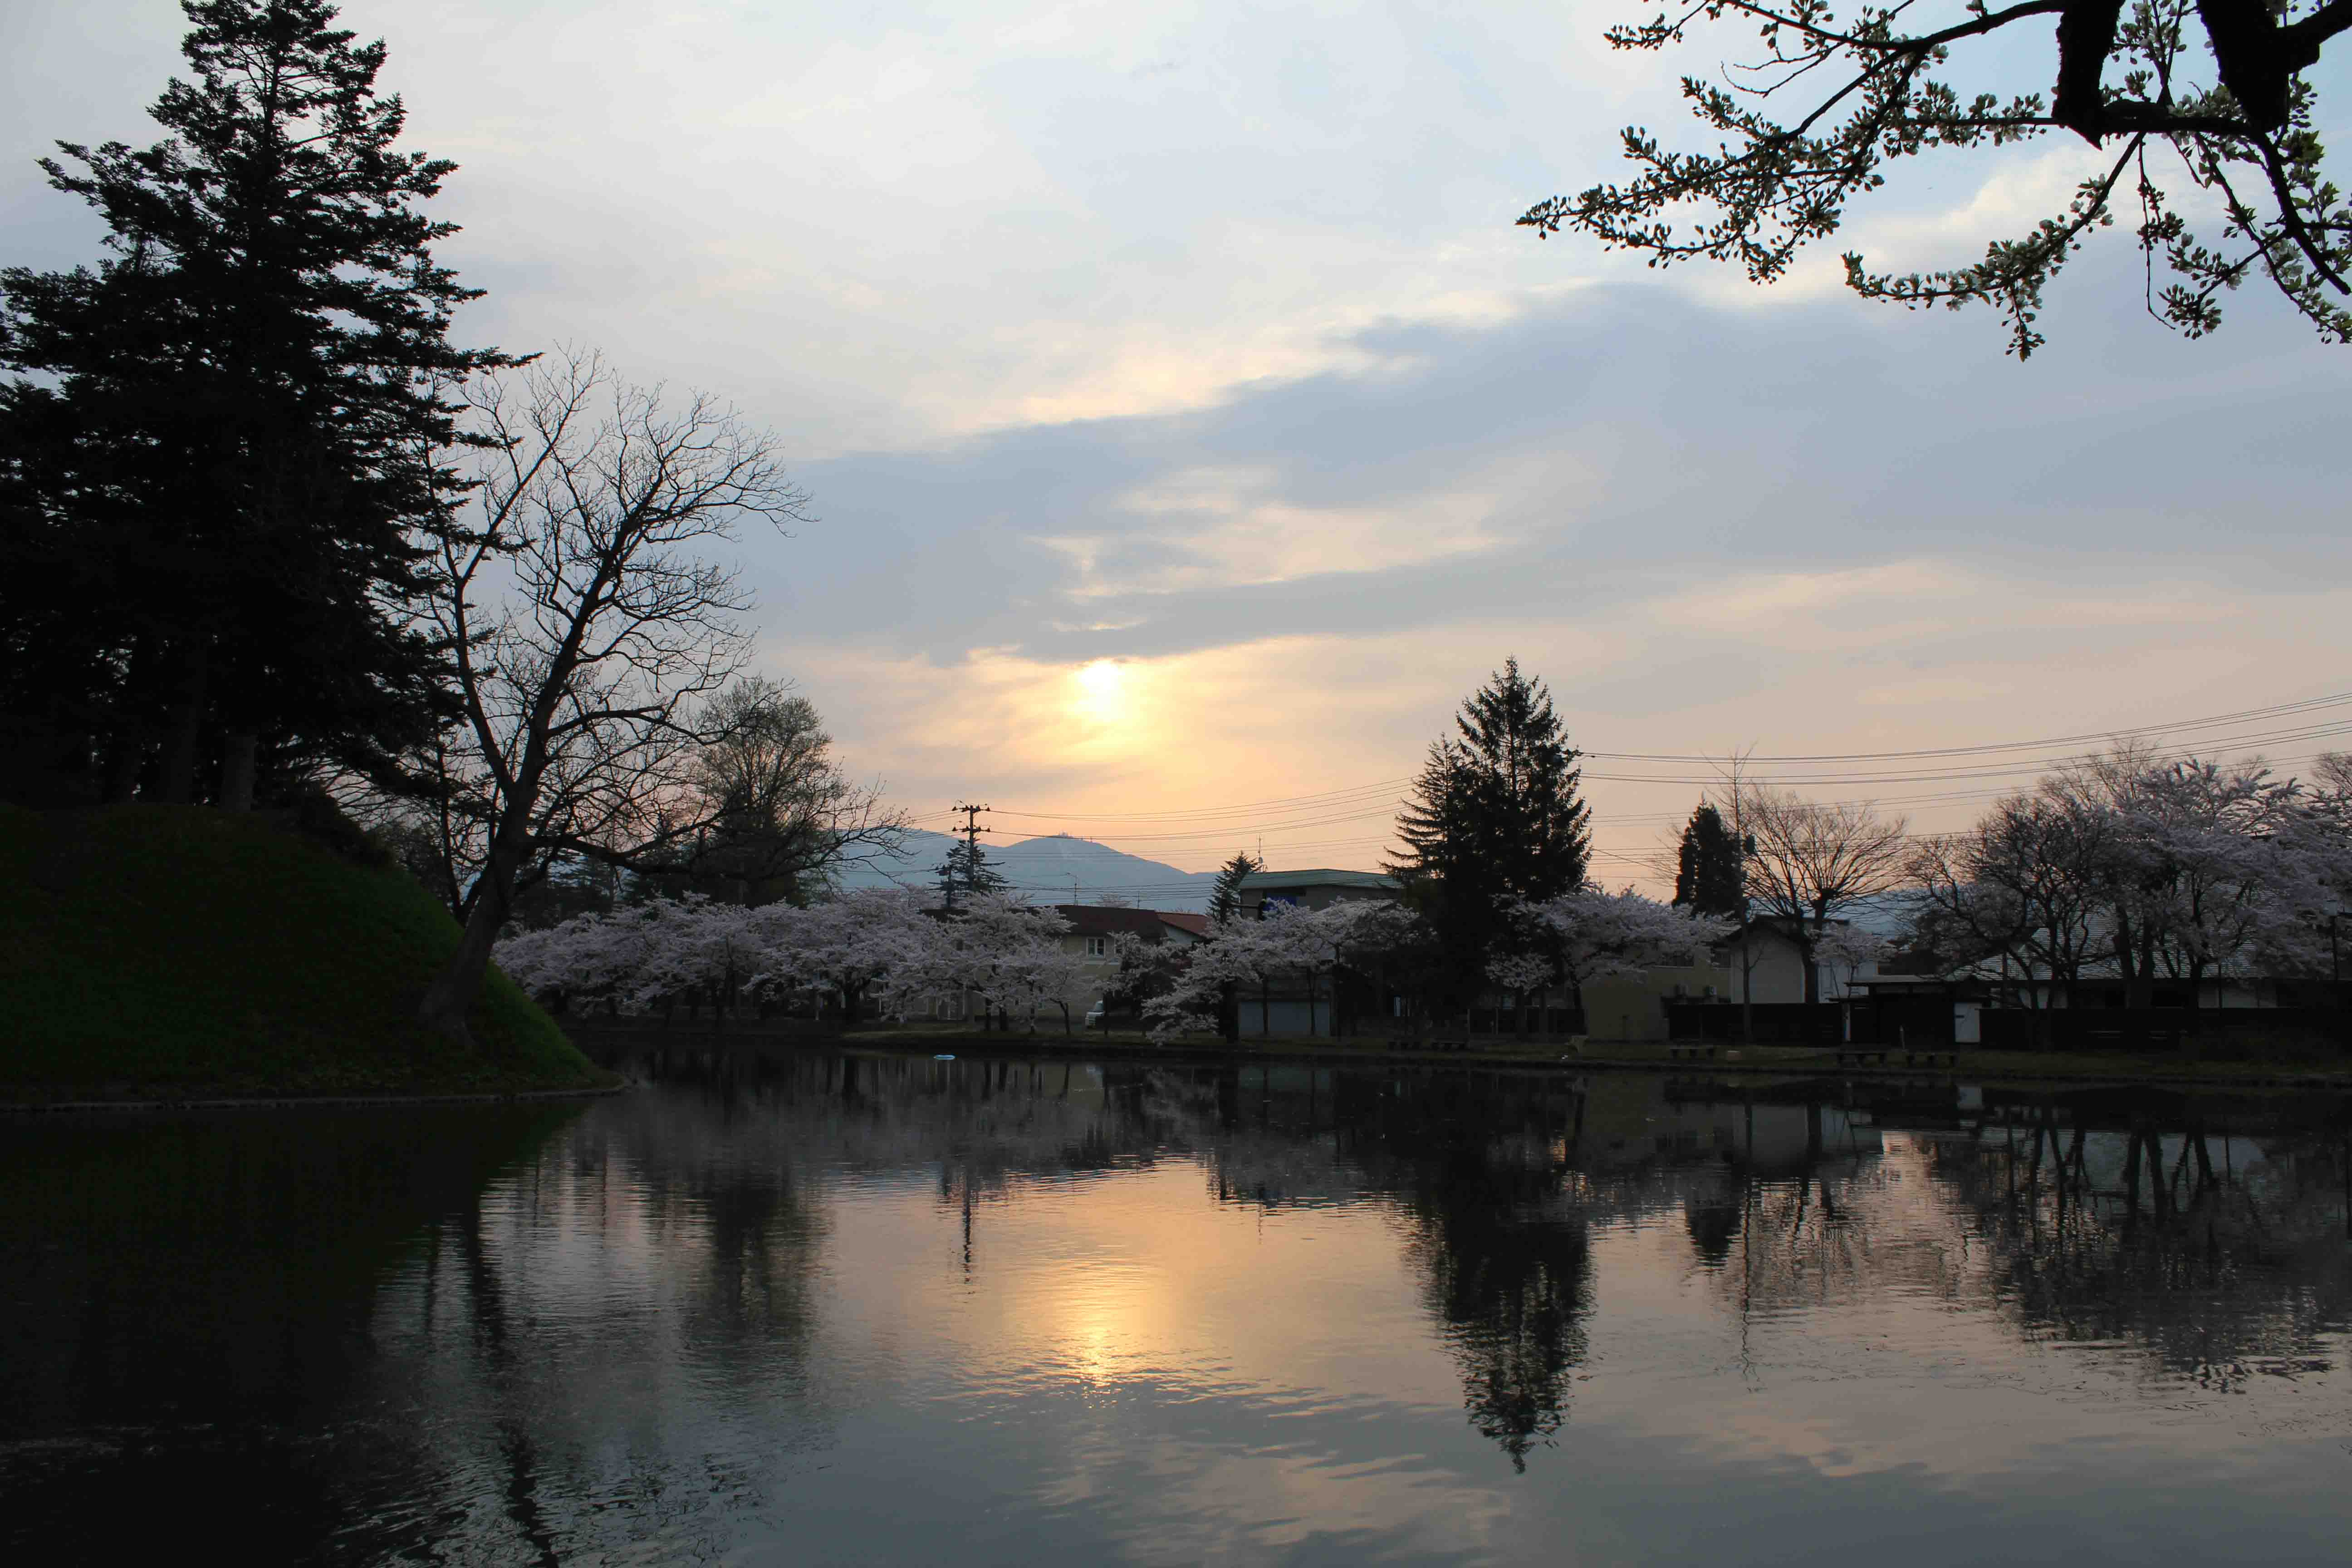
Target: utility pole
point(1747, 958)
point(971, 830)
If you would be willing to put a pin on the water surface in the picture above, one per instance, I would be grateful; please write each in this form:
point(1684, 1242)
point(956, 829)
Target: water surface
point(826, 1308)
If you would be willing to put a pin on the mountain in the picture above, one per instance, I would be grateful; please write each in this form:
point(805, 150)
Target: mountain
point(1054, 870)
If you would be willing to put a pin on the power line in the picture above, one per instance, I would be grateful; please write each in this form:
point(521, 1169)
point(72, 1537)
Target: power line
point(1298, 801)
point(2035, 764)
point(2278, 710)
point(1178, 828)
point(1359, 794)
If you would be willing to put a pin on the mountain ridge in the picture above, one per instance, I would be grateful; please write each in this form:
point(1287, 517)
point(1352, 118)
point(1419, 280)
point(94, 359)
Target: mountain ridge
point(1050, 868)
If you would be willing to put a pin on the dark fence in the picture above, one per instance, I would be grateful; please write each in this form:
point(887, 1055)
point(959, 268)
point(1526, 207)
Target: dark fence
point(1918, 1022)
point(1776, 1023)
point(2139, 1029)
point(1526, 1021)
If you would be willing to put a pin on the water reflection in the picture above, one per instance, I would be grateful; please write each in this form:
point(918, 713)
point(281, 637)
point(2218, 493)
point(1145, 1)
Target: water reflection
point(817, 1307)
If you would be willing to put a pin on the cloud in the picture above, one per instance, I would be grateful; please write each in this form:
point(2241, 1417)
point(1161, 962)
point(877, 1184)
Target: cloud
point(1226, 528)
point(1202, 343)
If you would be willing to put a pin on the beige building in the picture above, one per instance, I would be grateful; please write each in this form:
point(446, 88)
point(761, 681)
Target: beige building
point(1093, 939)
point(1633, 1006)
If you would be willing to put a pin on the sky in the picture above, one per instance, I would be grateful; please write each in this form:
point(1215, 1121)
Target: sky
point(1189, 430)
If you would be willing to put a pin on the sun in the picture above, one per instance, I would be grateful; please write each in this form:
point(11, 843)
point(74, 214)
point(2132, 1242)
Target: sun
point(1102, 691)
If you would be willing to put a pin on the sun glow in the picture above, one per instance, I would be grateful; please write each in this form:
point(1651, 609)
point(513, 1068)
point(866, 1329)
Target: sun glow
point(1102, 692)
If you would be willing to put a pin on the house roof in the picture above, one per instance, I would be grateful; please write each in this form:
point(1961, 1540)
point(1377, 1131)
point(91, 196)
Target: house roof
point(1777, 928)
point(1098, 920)
point(1283, 882)
point(1197, 924)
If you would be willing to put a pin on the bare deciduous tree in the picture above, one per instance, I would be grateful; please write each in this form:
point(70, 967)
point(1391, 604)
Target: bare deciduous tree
point(2023, 886)
point(591, 633)
point(1807, 861)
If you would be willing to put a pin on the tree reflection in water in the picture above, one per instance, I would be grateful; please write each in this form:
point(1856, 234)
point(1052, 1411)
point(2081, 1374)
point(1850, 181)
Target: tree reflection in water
point(2138, 1219)
point(565, 1335)
point(2117, 1218)
point(1483, 1165)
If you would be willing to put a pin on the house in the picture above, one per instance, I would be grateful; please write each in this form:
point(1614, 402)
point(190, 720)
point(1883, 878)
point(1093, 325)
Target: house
point(1304, 1005)
point(1764, 965)
point(1909, 999)
point(1914, 1000)
point(1767, 962)
point(1633, 1006)
point(1093, 938)
point(1315, 889)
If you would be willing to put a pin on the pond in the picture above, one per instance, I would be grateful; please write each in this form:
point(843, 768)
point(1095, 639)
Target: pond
point(815, 1308)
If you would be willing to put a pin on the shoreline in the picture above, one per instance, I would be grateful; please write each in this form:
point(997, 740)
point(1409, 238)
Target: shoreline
point(292, 1102)
point(606, 1045)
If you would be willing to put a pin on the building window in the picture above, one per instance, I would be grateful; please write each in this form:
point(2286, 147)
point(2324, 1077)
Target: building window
point(1097, 947)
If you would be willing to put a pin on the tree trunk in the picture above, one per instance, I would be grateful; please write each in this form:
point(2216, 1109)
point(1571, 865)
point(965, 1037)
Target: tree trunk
point(126, 751)
point(237, 764)
point(187, 729)
point(451, 996)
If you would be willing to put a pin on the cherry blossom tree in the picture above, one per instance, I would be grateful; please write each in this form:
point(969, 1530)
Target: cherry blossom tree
point(1601, 934)
point(1286, 943)
point(698, 947)
point(1246, 952)
point(875, 943)
point(1003, 951)
point(2024, 886)
point(1845, 950)
point(2208, 138)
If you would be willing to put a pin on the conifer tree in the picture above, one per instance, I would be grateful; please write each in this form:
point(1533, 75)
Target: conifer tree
point(966, 874)
point(228, 435)
point(1708, 866)
point(1225, 896)
point(1495, 817)
point(1226, 905)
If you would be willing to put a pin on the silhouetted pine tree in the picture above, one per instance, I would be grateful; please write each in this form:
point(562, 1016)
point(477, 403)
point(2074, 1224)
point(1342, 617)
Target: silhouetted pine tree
point(1494, 816)
point(1225, 896)
point(235, 440)
point(966, 871)
point(1708, 868)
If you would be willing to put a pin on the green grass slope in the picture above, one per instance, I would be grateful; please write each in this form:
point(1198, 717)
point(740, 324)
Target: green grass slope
point(173, 951)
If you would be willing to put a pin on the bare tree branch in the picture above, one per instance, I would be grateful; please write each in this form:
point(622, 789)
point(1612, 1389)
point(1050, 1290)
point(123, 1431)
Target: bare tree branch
point(592, 632)
point(2120, 69)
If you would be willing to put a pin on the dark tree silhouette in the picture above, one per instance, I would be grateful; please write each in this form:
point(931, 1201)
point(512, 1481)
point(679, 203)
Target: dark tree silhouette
point(1707, 866)
point(1225, 896)
point(224, 443)
point(592, 635)
point(1495, 817)
point(966, 874)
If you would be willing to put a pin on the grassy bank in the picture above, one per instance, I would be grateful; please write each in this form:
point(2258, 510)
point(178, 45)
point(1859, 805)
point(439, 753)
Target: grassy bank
point(160, 951)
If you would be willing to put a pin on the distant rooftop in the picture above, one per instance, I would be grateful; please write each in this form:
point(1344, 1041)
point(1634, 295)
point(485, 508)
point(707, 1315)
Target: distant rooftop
point(1279, 881)
point(1100, 920)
